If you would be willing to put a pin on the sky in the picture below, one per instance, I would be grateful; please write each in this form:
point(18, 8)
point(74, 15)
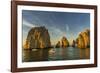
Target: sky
point(59, 24)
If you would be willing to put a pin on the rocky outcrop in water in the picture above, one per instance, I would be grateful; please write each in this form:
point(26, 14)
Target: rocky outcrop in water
point(38, 37)
point(73, 43)
point(64, 42)
point(58, 44)
point(83, 40)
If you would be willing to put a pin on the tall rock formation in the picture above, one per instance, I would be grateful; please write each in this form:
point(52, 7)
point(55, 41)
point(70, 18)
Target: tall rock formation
point(80, 41)
point(38, 37)
point(64, 42)
point(83, 40)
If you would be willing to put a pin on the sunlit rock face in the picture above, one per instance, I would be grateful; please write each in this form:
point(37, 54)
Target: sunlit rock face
point(38, 37)
point(80, 42)
point(26, 45)
point(64, 42)
point(83, 40)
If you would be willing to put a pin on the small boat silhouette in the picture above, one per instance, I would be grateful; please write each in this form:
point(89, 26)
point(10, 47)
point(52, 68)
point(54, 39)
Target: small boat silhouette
point(34, 49)
point(52, 51)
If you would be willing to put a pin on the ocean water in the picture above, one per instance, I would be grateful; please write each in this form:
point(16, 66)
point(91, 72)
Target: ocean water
point(55, 54)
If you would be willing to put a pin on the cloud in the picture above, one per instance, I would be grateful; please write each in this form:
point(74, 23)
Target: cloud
point(28, 24)
point(56, 31)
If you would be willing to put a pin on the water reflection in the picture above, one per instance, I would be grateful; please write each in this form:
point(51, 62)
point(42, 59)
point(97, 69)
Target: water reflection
point(37, 55)
point(84, 53)
point(52, 54)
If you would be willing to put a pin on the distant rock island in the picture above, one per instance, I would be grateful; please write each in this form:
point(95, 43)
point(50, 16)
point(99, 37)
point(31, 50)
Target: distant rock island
point(73, 43)
point(58, 45)
point(82, 41)
point(63, 43)
point(38, 37)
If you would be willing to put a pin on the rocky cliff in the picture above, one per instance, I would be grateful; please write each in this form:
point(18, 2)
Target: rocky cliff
point(38, 37)
point(83, 40)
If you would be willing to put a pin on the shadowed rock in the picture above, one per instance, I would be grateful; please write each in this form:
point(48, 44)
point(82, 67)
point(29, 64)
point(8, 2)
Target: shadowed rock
point(58, 44)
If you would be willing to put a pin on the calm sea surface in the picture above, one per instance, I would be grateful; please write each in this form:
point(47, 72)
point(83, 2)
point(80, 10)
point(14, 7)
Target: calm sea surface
point(53, 54)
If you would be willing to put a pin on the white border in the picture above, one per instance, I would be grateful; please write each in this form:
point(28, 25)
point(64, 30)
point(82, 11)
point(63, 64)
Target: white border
point(52, 63)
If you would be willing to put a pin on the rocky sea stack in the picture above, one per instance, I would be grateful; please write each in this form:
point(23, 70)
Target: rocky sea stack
point(63, 43)
point(83, 40)
point(38, 37)
point(58, 44)
point(73, 43)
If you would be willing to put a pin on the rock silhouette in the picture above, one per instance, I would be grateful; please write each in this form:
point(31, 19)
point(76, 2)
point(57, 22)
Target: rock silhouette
point(58, 44)
point(73, 43)
point(83, 40)
point(38, 37)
